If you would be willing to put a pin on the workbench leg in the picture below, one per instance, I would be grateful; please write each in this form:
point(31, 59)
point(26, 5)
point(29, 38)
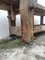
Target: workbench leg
point(27, 21)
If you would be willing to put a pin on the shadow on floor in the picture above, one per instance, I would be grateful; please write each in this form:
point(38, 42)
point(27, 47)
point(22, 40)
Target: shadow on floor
point(39, 34)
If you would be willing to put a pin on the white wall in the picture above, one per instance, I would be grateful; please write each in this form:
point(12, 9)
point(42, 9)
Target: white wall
point(18, 20)
point(44, 20)
point(41, 2)
point(36, 20)
point(4, 24)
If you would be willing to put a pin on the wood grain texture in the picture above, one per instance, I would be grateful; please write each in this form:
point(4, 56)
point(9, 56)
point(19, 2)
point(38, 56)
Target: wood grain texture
point(26, 21)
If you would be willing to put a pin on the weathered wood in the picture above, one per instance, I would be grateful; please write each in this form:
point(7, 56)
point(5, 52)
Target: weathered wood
point(41, 20)
point(16, 31)
point(9, 19)
point(12, 13)
point(4, 7)
point(40, 6)
point(26, 21)
point(12, 23)
point(38, 11)
point(37, 28)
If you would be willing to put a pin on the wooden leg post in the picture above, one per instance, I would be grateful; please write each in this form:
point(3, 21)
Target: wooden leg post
point(26, 21)
point(12, 20)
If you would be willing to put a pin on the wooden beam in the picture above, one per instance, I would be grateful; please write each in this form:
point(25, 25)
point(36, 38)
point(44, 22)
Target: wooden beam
point(4, 7)
point(39, 12)
point(40, 6)
point(12, 23)
point(4, 2)
point(41, 20)
point(12, 12)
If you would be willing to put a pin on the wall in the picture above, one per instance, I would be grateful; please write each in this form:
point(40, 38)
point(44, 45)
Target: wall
point(41, 2)
point(4, 24)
